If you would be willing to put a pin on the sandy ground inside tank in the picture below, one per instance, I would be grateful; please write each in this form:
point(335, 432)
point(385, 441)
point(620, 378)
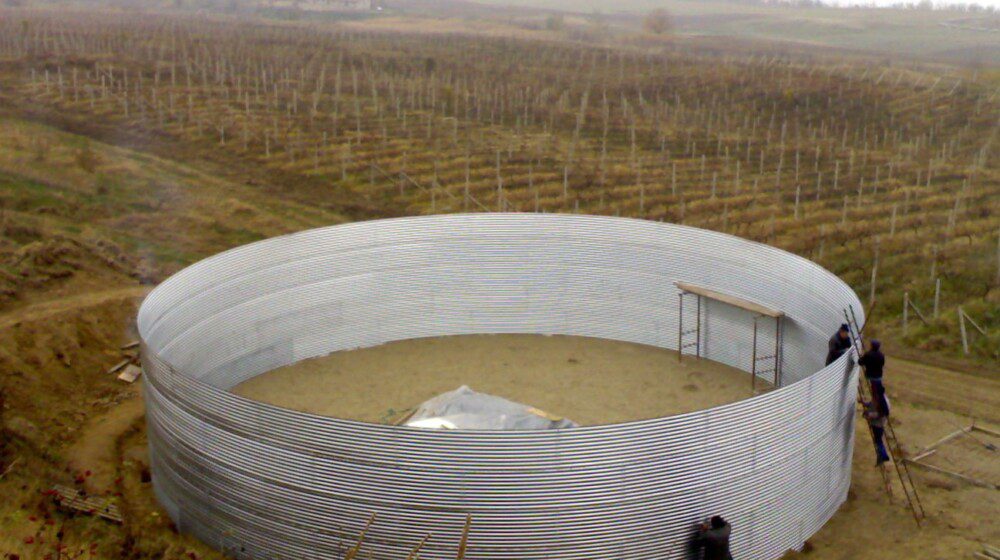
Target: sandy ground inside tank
point(597, 381)
point(588, 380)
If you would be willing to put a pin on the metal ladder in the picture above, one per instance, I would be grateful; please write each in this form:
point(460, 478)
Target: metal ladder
point(696, 331)
point(770, 359)
point(891, 442)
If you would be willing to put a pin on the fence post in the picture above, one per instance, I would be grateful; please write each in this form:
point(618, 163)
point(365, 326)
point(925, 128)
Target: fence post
point(937, 296)
point(997, 280)
point(906, 310)
point(871, 297)
point(3, 427)
point(961, 328)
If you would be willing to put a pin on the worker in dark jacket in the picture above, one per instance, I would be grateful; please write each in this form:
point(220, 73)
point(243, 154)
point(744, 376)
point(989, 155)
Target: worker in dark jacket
point(873, 361)
point(714, 538)
point(839, 343)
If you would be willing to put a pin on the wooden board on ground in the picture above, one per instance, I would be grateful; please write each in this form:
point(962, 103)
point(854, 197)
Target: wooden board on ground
point(119, 365)
point(973, 470)
point(130, 373)
point(74, 500)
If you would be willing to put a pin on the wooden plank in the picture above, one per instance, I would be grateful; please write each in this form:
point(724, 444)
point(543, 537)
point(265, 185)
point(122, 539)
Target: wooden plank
point(72, 499)
point(923, 454)
point(986, 431)
point(981, 330)
point(962, 477)
point(130, 374)
point(730, 299)
point(404, 418)
point(119, 366)
point(927, 449)
point(10, 467)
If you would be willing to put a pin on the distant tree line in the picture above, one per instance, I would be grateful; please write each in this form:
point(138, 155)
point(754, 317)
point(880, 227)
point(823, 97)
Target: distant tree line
point(921, 5)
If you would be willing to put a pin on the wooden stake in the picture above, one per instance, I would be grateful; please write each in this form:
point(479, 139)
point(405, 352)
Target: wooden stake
point(937, 296)
point(673, 191)
point(463, 544)
point(361, 539)
point(871, 297)
point(997, 279)
point(906, 311)
point(416, 549)
point(929, 448)
point(962, 477)
point(985, 431)
point(10, 467)
point(961, 328)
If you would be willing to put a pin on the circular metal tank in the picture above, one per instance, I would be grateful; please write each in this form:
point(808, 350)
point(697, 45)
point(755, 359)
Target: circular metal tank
point(258, 481)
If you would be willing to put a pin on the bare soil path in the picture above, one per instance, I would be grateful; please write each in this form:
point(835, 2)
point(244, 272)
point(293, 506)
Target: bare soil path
point(95, 449)
point(53, 307)
point(969, 395)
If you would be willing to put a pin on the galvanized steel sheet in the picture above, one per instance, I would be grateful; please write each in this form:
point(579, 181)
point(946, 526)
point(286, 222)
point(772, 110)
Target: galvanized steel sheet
point(259, 481)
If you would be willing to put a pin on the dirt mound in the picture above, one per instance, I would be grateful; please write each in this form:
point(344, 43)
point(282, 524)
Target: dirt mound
point(55, 363)
point(30, 260)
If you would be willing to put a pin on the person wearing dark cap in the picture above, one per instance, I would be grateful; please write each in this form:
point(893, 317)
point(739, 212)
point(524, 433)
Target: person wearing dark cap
point(714, 538)
point(839, 343)
point(874, 362)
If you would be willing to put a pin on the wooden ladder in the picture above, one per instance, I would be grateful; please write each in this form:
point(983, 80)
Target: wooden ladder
point(891, 441)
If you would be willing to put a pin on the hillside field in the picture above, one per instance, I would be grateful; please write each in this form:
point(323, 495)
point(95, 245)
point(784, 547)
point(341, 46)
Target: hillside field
point(133, 144)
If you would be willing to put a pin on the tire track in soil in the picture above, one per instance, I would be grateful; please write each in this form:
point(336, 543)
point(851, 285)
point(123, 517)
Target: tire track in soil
point(969, 395)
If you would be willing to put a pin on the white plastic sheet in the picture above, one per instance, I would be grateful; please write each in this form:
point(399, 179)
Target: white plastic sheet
point(465, 409)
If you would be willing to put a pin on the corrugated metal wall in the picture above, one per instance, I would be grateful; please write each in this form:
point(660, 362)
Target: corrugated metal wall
point(262, 482)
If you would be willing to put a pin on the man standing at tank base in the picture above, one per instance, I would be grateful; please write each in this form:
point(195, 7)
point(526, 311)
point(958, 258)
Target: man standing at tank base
point(839, 343)
point(713, 537)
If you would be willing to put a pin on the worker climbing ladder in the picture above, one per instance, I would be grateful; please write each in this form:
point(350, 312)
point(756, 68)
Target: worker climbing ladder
point(892, 443)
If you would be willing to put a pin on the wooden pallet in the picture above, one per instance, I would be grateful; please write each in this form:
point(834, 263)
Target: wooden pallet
point(931, 449)
point(74, 500)
point(989, 553)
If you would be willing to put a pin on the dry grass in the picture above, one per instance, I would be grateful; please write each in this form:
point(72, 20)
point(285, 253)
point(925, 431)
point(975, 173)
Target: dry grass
point(259, 129)
point(847, 162)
